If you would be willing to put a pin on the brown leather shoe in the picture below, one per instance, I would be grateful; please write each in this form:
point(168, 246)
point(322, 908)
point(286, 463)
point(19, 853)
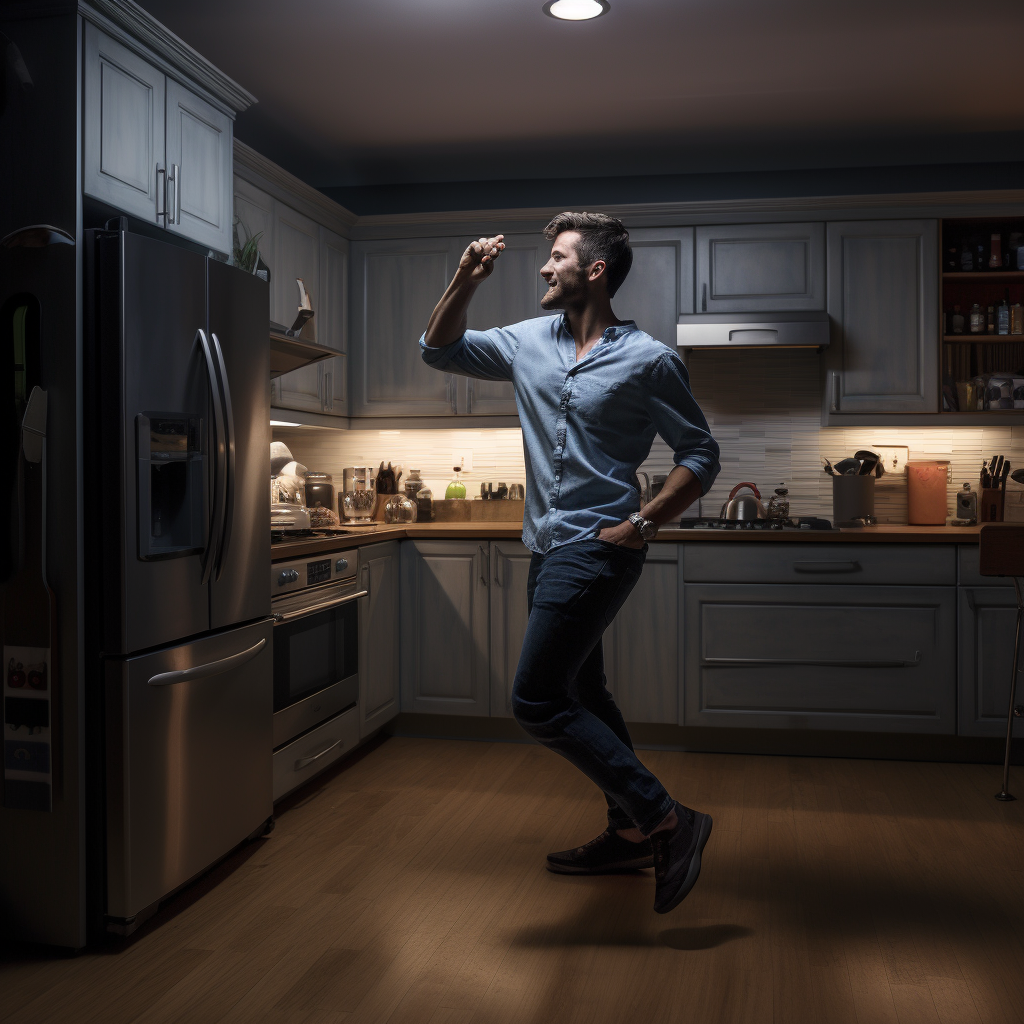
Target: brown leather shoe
point(607, 854)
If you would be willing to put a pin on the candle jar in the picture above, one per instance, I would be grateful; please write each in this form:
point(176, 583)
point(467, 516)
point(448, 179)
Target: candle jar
point(926, 493)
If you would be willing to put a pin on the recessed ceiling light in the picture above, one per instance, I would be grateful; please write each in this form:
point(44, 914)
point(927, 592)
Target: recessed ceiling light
point(576, 10)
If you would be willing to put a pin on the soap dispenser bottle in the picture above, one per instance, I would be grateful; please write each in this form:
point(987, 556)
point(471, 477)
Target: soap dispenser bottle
point(456, 489)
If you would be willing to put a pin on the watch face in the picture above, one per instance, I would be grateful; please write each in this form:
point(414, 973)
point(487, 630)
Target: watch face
point(649, 531)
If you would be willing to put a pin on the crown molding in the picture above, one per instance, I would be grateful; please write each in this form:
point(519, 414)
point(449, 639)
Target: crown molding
point(1004, 202)
point(141, 27)
point(276, 181)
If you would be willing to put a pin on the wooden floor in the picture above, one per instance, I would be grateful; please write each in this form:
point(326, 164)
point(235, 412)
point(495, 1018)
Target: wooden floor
point(410, 888)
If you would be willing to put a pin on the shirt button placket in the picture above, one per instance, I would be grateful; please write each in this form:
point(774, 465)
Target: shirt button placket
point(560, 431)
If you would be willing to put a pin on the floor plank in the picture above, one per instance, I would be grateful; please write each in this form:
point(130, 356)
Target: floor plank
point(410, 888)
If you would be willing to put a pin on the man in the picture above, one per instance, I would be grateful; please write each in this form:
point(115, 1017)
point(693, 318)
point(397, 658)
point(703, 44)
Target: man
point(592, 392)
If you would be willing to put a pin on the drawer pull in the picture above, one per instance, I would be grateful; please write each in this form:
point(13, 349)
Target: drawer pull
point(818, 662)
point(826, 567)
point(304, 762)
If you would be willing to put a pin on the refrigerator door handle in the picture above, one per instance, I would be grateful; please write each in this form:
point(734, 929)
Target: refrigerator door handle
point(220, 469)
point(211, 668)
point(229, 452)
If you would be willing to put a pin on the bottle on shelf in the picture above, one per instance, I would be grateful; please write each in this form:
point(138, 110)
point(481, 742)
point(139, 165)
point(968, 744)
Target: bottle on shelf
point(1017, 318)
point(990, 320)
point(980, 255)
point(1003, 315)
point(958, 321)
point(456, 489)
point(966, 257)
point(951, 259)
point(995, 252)
point(977, 320)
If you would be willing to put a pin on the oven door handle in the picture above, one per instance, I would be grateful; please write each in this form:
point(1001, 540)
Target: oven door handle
point(309, 609)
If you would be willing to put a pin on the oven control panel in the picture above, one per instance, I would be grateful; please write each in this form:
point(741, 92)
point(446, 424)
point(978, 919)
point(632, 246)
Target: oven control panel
point(288, 577)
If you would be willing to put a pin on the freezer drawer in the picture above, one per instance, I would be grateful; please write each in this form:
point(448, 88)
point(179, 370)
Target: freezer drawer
point(189, 772)
point(310, 754)
point(877, 659)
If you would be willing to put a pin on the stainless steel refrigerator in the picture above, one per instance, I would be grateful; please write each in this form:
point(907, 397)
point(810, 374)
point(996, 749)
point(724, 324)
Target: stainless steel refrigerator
point(180, 366)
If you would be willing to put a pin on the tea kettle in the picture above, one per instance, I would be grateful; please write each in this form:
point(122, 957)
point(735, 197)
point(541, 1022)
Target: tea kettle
point(745, 507)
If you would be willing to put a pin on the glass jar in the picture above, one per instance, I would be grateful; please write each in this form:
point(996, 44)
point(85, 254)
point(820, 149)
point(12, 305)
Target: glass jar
point(778, 503)
point(412, 484)
point(425, 506)
point(400, 509)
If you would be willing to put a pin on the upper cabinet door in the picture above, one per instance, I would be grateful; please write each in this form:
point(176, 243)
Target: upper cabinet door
point(395, 285)
point(758, 268)
point(254, 213)
point(510, 295)
point(199, 162)
point(123, 137)
point(883, 298)
point(332, 312)
point(296, 255)
point(659, 286)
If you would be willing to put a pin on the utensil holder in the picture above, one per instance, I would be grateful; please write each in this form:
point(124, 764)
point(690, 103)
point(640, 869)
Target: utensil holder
point(853, 497)
point(990, 505)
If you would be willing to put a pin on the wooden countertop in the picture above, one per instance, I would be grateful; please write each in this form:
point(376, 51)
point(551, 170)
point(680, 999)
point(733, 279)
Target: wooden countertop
point(883, 534)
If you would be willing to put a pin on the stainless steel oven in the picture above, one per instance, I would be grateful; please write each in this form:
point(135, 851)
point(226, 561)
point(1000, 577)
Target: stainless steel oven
point(315, 607)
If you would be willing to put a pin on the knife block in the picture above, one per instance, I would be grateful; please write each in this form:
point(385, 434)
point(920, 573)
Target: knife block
point(990, 505)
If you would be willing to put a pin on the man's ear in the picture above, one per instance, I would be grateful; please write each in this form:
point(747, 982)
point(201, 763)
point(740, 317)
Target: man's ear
point(597, 268)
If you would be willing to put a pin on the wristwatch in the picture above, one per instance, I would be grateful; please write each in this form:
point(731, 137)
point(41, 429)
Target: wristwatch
point(648, 527)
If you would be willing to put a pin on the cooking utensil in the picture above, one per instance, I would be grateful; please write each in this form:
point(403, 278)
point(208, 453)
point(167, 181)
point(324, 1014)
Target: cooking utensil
point(848, 467)
point(745, 507)
point(868, 461)
point(827, 466)
point(1003, 475)
point(387, 479)
point(999, 471)
point(992, 470)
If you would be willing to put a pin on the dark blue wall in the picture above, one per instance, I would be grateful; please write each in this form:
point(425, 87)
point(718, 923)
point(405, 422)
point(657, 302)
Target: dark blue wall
point(586, 192)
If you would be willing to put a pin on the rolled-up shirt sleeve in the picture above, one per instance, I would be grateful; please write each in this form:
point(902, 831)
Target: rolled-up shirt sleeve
point(679, 421)
point(488, 355)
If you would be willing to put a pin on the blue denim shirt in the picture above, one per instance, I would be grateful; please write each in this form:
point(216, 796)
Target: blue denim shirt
point(587, 425)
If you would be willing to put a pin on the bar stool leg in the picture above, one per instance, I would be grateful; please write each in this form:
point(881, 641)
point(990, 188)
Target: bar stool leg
point(1004, 793)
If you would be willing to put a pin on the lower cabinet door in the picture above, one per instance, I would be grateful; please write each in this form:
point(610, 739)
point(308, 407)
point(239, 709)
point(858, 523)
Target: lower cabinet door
point(878, 659)
point(988, 623)
point(378, 636)
point(642, 646)
point(510, 571)
point(445, 626)
point(297, 762)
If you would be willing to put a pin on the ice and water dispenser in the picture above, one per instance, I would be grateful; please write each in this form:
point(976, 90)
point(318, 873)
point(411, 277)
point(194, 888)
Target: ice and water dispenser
point(170, 482)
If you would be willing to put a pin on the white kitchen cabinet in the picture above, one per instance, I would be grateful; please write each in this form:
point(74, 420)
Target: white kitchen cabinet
point(332, 312)
point(755, 268)
point(643, 645)
point(510, 571)
point(378, 636)
point(510, 295)
point(659, 286)
point(445, 626)
point(198, 155)
point(254, 213)
point(297, 255)
point(154, 148)
point(123, 130)
point(883, 304)
point(395, 286)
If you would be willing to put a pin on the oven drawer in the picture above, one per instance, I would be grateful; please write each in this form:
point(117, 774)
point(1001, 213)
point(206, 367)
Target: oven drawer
point(305, 757)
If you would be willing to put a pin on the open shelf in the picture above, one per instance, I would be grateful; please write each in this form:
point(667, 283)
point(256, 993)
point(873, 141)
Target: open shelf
point(981, 275)
point(984, 339)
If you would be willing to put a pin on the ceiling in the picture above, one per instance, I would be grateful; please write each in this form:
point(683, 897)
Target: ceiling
point(396, 91)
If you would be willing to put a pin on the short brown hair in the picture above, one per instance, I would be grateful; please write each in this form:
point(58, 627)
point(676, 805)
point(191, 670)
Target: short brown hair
point(601, 238)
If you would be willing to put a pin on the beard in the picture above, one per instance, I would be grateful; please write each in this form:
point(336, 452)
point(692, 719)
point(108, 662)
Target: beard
point(570, 289)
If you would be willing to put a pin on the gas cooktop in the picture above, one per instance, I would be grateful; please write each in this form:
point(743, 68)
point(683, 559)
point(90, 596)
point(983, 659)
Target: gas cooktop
point(802, 523)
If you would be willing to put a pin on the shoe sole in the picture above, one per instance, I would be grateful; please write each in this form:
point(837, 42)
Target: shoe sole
point(693, 872)
point(611, 869)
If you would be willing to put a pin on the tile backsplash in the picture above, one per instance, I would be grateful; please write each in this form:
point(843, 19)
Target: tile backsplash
point(764, 409)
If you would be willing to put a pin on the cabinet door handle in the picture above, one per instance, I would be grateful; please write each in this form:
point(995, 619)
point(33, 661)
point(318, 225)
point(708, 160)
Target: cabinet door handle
point(366, 579)
point(177, 194)
point(453, 393)
point(469, 396)
point(161, 192)
point(704, 298)
point(826, 567)
point(498, 559)
point(835, 390)
point(484, 569)
point(320, 385)
point(304, 762)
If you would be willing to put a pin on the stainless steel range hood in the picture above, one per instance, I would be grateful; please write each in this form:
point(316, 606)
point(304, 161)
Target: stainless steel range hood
point(753, 330)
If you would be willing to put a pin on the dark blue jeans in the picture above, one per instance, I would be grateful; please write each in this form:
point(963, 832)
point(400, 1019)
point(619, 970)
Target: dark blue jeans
point(559, 696)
